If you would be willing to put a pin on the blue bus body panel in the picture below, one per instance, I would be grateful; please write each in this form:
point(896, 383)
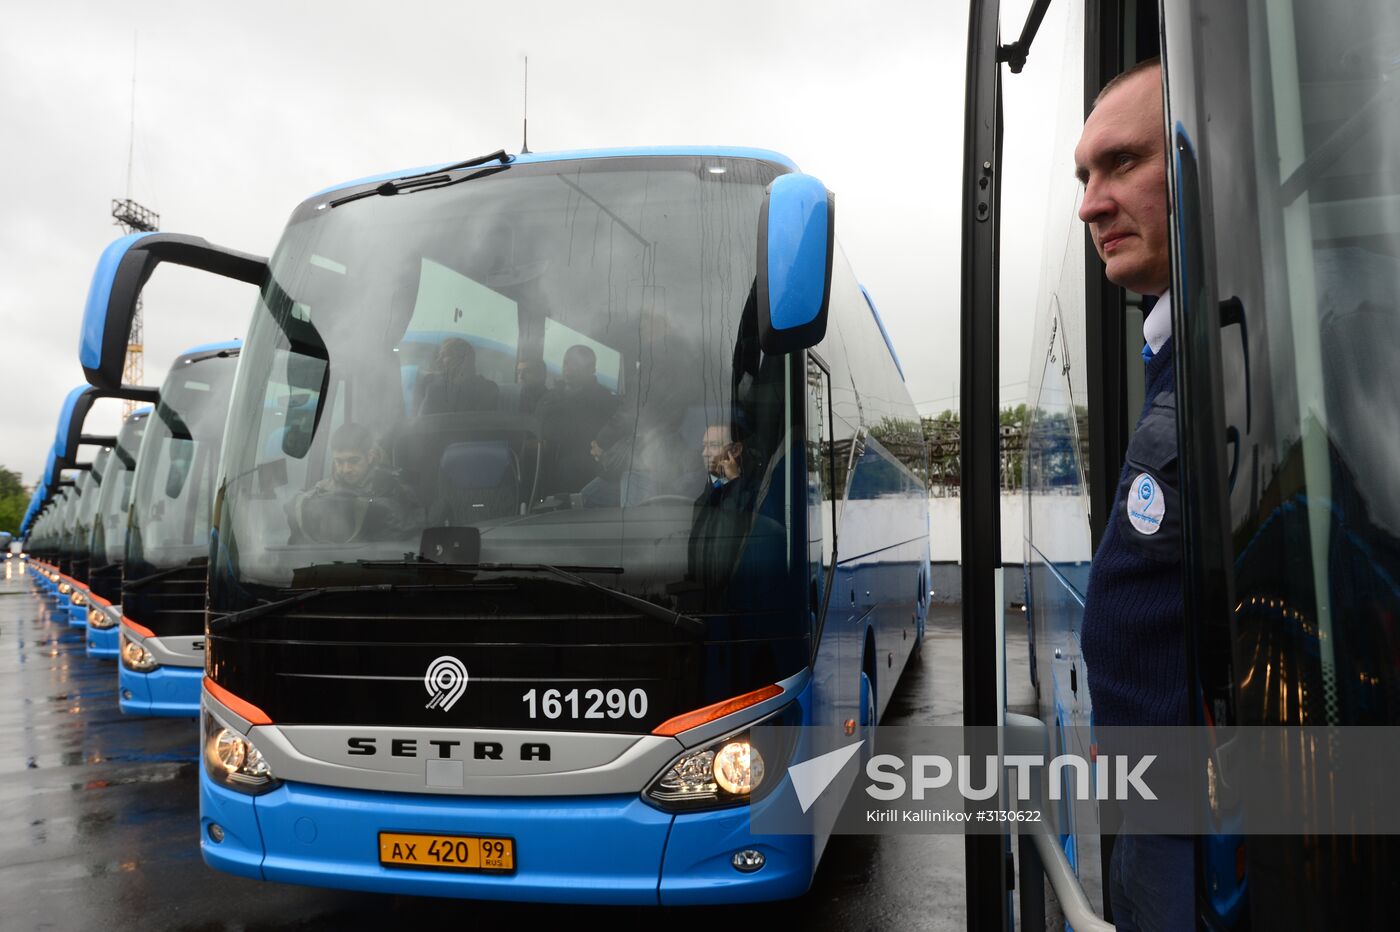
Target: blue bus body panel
point(587, 849)
point(99, 295)
point(698, 869)
point(241, 851)
point(725, 152)
point(101, 644)
point(216, 347)
point(169, 692)
point(1225, 891)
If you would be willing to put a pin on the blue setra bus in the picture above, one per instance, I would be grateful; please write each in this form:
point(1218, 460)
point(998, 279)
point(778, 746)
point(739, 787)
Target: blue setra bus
point(107, 540)
point(546, 477)
point(167, 536)
point(75, 539)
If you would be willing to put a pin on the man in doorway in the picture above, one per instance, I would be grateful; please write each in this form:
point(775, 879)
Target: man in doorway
point(1133, 636)
point(723, 512)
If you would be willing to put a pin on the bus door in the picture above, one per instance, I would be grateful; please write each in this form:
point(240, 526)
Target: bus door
point(1285, 122)
point(821, 490)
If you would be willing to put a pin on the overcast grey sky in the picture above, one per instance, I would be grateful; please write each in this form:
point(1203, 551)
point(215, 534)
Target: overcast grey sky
point(242, 110)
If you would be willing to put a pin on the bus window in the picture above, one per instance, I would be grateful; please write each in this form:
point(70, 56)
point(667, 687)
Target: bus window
point(557, 340)
point(451, 305)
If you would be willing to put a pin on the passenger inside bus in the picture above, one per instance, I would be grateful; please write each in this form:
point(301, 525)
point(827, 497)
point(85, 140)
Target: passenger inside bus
point(641, 457)
point(453, 383)
point(571, 415)
point(361, 500)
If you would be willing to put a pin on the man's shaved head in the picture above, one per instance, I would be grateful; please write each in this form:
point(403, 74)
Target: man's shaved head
point(1121, 160)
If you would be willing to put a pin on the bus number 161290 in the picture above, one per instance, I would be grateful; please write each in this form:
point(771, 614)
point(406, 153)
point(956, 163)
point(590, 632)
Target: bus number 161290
point(592, 703)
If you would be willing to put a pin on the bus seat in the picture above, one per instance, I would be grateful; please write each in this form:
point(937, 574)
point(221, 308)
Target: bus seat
point(478, 480)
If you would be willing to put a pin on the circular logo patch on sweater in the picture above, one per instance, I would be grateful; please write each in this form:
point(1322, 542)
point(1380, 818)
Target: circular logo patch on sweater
point(1145, 504)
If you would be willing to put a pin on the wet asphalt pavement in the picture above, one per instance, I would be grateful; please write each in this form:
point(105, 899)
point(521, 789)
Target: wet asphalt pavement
point(99, 817)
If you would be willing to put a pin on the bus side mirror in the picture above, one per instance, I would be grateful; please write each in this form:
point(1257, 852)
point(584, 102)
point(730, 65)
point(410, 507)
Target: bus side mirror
point(73, 415)
point(70, 424)
point(122, 272)
point(796, 238)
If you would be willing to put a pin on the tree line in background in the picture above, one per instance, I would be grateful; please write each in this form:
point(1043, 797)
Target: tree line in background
point(1048, 453)
point(1050, 458)
point(14, 500)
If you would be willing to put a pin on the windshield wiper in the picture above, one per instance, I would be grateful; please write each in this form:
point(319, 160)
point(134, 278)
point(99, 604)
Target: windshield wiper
point(426, 561)
point(437, 178)
point(234, 619)
point(145, 581)
point(684, 623)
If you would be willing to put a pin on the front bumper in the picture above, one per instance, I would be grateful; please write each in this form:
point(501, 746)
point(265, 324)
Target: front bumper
point(167, 691)
point(587, 849)
point(105, 644)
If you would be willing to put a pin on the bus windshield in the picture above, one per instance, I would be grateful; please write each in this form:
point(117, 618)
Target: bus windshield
point(109, 530)
point(174, 482)
point(552, 366)
point(69, 518)
point(87, 505)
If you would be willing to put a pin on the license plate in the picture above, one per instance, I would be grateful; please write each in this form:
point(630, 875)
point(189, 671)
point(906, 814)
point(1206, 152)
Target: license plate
point(446, 852)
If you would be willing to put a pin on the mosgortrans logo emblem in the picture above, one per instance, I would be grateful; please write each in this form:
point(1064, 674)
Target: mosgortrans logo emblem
point(445, 682)
point(1145, 505)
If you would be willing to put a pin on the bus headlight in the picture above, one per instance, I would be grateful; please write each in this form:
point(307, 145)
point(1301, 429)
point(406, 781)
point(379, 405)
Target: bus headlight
point(738, 768)
point(728, 771)
point(79, 599)
point(233, 761)
point(99, 619)
point(65, 588)
point(136, 658)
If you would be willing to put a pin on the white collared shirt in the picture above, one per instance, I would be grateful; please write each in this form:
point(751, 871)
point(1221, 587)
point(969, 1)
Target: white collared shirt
point(1158, 325)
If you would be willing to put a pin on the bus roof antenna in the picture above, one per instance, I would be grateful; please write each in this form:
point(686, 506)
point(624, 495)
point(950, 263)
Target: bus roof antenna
point(131, 130)
point(525, 119)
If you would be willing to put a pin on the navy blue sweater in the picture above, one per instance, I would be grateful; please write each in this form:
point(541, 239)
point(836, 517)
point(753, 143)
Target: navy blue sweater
point(1132, 636)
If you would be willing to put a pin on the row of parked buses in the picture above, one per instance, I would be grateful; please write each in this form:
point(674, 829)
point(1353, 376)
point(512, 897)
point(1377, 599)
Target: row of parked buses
point(537, 482)
point(121, 547)
point(437, 662)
